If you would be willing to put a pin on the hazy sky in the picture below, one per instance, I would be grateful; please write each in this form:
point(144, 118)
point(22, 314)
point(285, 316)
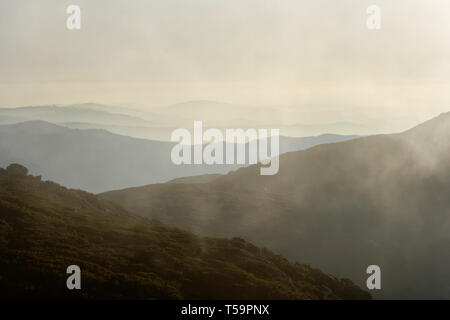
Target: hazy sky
point(151, 53)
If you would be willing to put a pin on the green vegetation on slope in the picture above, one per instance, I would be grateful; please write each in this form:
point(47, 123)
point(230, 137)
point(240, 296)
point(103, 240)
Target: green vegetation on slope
point(45, 227)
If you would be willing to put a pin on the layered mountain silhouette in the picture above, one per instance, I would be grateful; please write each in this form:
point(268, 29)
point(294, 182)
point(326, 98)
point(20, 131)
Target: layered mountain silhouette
point(159, 122)
point(220, 114)
point(118, 120)
point(44, 228)
point(97, 160)
point(82, 113)
point(382, 200)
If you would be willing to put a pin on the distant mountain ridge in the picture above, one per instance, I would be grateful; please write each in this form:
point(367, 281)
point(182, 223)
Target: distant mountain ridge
point(157, 123)
point(97, 160)
point(58, 114)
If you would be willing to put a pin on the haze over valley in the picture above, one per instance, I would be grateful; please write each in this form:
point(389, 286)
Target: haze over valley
point(133, 149)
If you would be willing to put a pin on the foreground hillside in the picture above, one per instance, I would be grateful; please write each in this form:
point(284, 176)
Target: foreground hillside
point(45, 227)
point(381, 200)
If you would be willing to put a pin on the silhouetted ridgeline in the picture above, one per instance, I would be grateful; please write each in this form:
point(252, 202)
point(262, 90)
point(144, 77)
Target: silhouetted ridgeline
point(99, 161)
point(45, 227)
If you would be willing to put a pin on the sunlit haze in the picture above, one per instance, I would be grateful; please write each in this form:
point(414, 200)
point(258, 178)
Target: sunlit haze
point(308, 55)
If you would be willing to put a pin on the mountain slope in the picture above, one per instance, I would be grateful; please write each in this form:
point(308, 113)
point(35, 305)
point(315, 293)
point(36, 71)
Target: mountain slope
point(96, 160)
point(93, 160)
point(196, 179)
point(45, 228)
point(376, 200)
